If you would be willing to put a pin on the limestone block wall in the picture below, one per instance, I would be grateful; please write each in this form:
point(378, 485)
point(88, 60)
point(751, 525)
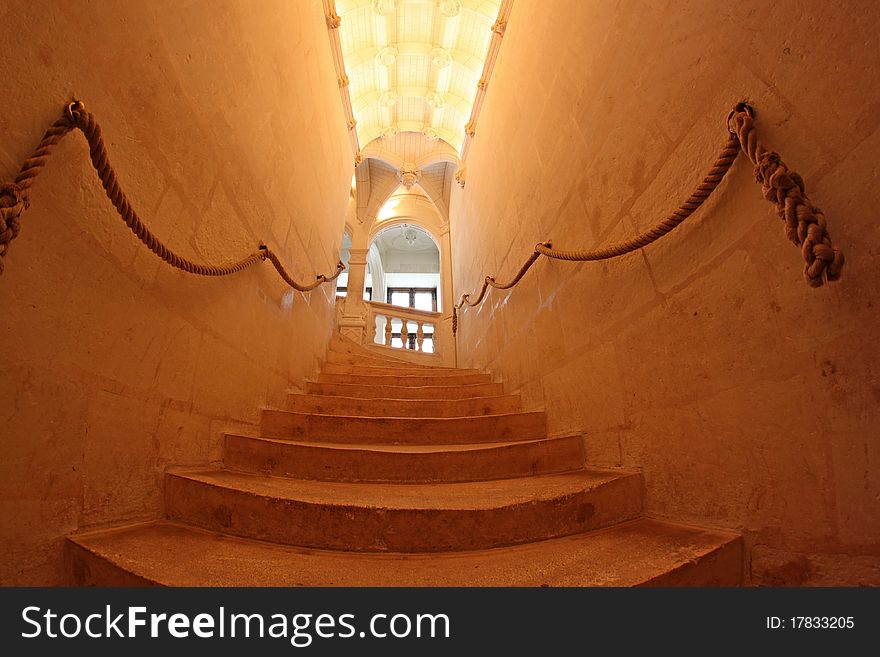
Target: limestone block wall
point(223, 121)
point(749, 400)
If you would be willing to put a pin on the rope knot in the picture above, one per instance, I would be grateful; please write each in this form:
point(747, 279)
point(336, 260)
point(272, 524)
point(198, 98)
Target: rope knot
point(11, 196)
point(766, 166)
point(12, 203)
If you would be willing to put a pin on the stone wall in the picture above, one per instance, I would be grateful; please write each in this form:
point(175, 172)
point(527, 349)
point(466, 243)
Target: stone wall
point(224, 123)
point(749, 400)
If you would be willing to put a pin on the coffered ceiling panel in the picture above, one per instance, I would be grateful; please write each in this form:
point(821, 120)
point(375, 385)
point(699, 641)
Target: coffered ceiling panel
point(413, 65)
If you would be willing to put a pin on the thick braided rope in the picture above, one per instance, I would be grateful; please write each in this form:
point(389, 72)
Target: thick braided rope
point(12, 203)
point(805, 224)
point(320, 280)
point(466, 298)
point(710, 182)
point(14, 200)
point(703, 191)
point(14, 196)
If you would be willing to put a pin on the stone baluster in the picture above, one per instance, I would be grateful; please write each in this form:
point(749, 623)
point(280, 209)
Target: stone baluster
point(420, 336)
point(404, 334)
point(387, 330)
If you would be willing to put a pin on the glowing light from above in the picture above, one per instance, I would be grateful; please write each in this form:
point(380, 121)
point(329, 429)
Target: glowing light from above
point(388, 210)
point(414, 65)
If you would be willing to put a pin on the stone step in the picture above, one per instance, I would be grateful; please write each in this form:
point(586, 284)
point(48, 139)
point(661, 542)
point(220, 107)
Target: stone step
point(401, 517)
point(411, 357)
point(335, 405)
point(406, 380)
point(402, 463)
point(376, 360)
point(344, 346)
point(366, 391)
point(394, 370)
point(311, 427)
point(638, 553)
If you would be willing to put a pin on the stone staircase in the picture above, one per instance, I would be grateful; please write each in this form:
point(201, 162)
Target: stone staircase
point(386, 473)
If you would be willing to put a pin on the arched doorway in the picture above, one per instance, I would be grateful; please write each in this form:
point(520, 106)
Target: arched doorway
point(404, 271)
point(400, 261)
point(406, 267)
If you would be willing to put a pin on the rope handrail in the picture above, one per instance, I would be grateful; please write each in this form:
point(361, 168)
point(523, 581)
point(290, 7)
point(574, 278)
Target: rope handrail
point(805, 224)
point(15, 199)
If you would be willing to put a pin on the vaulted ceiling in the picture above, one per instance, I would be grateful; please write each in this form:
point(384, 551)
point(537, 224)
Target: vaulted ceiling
point(377, 182)
point(413, 66)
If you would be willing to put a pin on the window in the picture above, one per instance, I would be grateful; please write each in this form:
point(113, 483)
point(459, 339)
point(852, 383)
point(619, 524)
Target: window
point(342, 292)
point(420, 298)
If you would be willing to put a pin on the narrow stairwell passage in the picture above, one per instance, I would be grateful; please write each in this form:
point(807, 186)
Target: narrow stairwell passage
point(386, 473)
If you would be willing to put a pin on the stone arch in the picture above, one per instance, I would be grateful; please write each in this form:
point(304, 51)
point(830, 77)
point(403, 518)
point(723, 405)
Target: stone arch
point(435, 237)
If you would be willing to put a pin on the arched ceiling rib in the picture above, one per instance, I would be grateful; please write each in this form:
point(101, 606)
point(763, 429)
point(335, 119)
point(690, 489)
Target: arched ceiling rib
point(377, 182)
point(471, 61)
point(437, 180)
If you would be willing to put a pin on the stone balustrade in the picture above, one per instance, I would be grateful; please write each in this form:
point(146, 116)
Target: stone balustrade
point(403, 328)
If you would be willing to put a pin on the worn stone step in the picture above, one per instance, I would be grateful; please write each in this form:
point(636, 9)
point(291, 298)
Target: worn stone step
point(432, 431)
point(369, 391)
point(401, 517)
point(344, 346)
point(394, 370)
point(368, 358)
point(335, 405)
point(431, 360)
point(408, 380)
point(637, 553)
point(402, 463)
